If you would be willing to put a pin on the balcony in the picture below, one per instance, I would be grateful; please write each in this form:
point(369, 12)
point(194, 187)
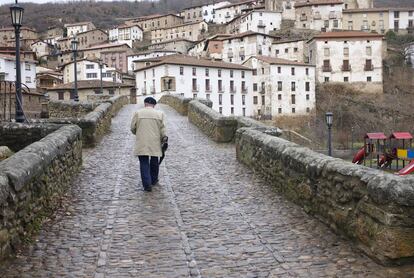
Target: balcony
point(368, 67)
point(221, 89)
point(152, 90)
point(230, 54)
point(144, 91)
point(195, 88)
point(346, 67)
point(364, 28)
point(227, 16)
point(244, 90)
point(261, 25)
point(303, 18)
point(327, 68)
point(233, 89)
point(317, 16)
point(262, 90)
point(208, 89)
point(332, 16)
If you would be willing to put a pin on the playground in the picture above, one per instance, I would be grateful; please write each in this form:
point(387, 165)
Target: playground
point(394, 153)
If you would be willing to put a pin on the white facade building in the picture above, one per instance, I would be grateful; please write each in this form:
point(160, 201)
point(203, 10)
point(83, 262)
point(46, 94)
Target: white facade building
point(209, 11)
point(319, 15)
point(147, 55)
point(401, 20)
point(89, 70)
point(126, 34)
point(286, 7)
point(293, 50)
point(8, 70)
point(80, 27)
point(41, 48)
point(227, 13)
point(353, 57)
point(227, 85)
point(240, 47)
point(282, 87)
point(256, 21)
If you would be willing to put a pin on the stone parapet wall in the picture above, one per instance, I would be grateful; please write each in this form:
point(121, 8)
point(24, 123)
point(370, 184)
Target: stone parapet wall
point(70, 109)
point(33, 179)
point(216, 126)
point(117, 103)
point(179, 103)
point(373, 208)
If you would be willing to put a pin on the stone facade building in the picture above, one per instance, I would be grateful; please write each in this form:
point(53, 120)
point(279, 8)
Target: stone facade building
point(351, 57)
point(293, 50)
point(320, 15)
point(154, 22)
point(179, 45)
point(282, 87)
point(368, 20)
point(286, 7)
point(126, 34)
point(192, 31)
point(90, 70)
point(147, 55)
point(72, 29)
point(227, 85)
point(27, 37)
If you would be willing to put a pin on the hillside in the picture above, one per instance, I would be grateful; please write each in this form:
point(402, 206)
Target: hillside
point(103, 14)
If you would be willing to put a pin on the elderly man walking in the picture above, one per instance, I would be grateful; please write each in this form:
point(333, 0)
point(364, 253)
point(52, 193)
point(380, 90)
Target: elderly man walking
point(148, 125)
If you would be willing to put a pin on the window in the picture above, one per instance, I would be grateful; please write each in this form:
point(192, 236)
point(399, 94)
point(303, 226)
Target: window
point(263, 100)
point(194, 95)
point(345, 65)
point(27, 66)
point(220, 99)
point(368, 65)
point(90, 66)
point(254, 87)
point(346, 51)
point(219, 73)
point(254, 72)
point(307, 71)
point(346, 79)
point(244, 112)
point(326, 24)
point(326, 52)
point(153, 72)
point(277, 52)
point(207, 72)
point(279, 69)
point(326, 79)
point(335, 23)
point(396, 25)
point(194, 71)
point(91, 75)
point(293, 110)
point(279, 97)
point(231, 73)
point(242, 74)
point(208, 96)
point(221, 110)
point(181, 70)
point(397, 14)
point(243, 99)
point(307, 86)
point(195, 89)
point(279, 110)
point(369, 78)
point(293, 86)
point(220, 86)
point(243, 86)
point(232, 99)
point(208, 85)
point(28, 79)
point(61, 95)
point(350, 25)
point(326, 66)
point(255, 100)
point(232, 110)
point(263, 71)
point(292, 70)
point(369, 50)
point(307, 97)
point(295, 49)
point(279, 86)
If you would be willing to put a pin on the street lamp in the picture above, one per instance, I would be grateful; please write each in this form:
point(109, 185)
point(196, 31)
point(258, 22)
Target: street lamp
point(329, 122)
point(101, 66)
point(74, 45)
point(17, 18)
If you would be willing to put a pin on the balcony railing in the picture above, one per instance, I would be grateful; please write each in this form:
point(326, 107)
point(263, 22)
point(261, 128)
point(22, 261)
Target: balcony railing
point(327, 68)
point(261, 25)
point(196, 88)
point(221, 89)
point(369, 67)
point(262, 90)
point(303, 18)
point(244, 90)
point(208, 88)
point(233, 89)
point(332, 16)
point(346, 67)
point(227, 16)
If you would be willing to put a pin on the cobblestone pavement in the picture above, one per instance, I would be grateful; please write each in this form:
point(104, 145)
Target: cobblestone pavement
point(210, 217)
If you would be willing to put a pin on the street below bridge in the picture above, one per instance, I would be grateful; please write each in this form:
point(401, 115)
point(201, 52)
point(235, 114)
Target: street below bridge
point(209, 217)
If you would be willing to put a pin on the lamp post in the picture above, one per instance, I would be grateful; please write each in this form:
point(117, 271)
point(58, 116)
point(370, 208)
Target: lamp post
point(74, 45)
point(329, 122)
point(101, 66)
point(17, 18)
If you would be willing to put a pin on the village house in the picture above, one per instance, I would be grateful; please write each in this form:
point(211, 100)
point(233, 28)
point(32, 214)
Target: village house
point(73, 29)
point(41, 48)
point(179, 45)
point(47, 78)
point(11, 51)
point(358, 4)
point(368, 20)
point(281, 87)
point(286, 7)
point(90, 70)
point(8, 70)
point(209, 48)
point(320, 15)
point(256, 21)
point(88, 90)
point(192, 31)
point(86, 39)
point(27, 37)
point(52, 34)
point(401, 20)
point(146, 55)
point(126, 34)
point(117, 58)
point(204, 12)
point(351, 57)
point(293, 50)
point(95, 52)
point(228, 12)
point(154, 22)
point(238, 48)
point(227, 85)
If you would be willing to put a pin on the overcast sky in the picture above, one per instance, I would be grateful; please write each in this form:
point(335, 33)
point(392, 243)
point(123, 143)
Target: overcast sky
point(2, 2)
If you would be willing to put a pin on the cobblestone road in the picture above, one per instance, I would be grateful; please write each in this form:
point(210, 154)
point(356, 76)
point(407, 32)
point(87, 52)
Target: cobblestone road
point(209, 218)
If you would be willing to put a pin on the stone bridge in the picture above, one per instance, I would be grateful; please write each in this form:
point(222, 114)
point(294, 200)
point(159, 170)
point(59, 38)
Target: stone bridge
point(210, 217)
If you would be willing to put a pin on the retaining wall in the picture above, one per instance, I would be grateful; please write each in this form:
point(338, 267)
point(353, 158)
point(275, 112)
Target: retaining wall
point(33, 179)
point(374, 208)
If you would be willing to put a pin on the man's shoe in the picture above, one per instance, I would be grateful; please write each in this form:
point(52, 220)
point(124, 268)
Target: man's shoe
point(148, 189)
point(155, 183)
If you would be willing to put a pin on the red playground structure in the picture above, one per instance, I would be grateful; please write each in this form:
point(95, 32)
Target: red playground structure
point(394, 152)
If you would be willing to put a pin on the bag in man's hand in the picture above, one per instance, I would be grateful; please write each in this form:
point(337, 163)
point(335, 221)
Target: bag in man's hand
point(164, 147)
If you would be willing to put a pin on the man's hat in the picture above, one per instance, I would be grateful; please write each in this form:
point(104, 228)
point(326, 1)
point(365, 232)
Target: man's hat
point(150, 100)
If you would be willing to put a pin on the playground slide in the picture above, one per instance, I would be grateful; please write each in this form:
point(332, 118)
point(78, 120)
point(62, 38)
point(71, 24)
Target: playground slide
point(359, 157)
point(407, 170)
